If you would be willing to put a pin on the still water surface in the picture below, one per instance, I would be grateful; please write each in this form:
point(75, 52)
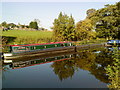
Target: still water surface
point(85, 69)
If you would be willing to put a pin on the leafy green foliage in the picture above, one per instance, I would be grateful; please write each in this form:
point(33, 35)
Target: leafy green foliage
point(107, 21)
point(33, 25)
point(4, 24)
point(90, 12)
point(113, 71)
point(85, 30)
point(64, 28)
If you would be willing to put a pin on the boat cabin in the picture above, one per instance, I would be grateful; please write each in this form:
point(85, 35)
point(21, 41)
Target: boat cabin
point(34, 47)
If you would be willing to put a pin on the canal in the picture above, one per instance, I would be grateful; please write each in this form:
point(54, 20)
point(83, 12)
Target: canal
point(84, 69)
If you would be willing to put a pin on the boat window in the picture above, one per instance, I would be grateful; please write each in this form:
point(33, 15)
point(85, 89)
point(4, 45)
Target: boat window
point(34, 47)
point(55, 45)
point(70, 44)
point(27, 48)
point(44, 46)
point(62, 44)
point(14, 49)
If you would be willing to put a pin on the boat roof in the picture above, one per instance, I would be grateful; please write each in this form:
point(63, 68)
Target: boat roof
point(39, 44)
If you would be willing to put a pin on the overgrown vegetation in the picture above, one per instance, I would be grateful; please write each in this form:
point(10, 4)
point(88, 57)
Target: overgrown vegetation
point(113, 71)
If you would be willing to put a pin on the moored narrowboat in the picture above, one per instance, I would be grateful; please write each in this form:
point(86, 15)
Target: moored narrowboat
point(26, 48)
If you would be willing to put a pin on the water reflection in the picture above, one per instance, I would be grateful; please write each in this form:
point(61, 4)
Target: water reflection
point(88, 60)
point(65, 66)
point(113, 71)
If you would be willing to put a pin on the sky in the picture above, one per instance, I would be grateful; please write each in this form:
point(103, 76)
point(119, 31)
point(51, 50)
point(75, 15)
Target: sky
point(46, 12)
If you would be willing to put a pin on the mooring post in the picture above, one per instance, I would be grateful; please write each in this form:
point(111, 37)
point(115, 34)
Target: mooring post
point(75, 49)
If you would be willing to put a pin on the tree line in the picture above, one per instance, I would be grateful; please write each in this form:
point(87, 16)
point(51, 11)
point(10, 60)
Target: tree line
point(101, 23)
point(35, 24)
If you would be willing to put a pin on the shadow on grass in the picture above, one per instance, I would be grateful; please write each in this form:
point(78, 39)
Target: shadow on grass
point(7, 39)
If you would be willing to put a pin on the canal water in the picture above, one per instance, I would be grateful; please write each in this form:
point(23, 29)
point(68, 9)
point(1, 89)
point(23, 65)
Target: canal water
point(85, 69)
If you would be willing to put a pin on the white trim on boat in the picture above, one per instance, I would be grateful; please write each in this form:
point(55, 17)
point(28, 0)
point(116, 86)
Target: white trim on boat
point(7, 54)
point(7, 61)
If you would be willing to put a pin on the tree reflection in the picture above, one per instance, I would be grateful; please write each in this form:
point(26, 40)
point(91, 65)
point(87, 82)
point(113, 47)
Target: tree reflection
point(102, 60)
point(86, 60)
point(95, 63)
point(64, 69)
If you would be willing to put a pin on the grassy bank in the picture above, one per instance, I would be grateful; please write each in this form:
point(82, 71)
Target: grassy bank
point(26, 37)
point(94, 41)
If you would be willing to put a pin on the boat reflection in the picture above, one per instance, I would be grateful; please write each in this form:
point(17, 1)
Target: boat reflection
point(14, 64)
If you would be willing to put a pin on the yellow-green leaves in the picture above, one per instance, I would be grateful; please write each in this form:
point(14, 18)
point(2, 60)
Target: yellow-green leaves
point(64, 28)
point(85, 30)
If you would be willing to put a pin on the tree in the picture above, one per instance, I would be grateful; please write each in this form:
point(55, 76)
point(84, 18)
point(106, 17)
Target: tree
point(85, 30)
point(4, 24)
point(33, 24)
point(64, 28)
point(38, 22)
point(71, 29)
point(107, 21)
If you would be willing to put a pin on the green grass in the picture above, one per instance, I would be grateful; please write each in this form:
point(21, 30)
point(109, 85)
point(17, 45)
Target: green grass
point(27, 37)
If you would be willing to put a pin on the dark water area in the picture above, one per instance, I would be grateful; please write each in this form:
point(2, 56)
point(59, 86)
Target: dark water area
point(85, 69)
